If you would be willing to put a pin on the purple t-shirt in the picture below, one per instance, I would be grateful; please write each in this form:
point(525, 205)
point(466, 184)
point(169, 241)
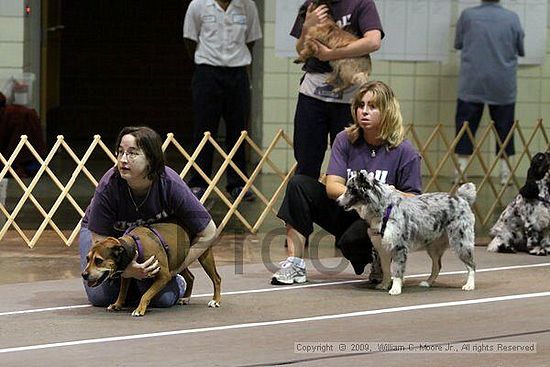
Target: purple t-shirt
point(399, 167)
point(112, 211)
point(357, 16)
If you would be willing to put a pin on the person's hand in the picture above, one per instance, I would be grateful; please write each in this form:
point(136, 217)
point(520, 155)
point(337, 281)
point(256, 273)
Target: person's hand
point(323, 53)
point(315, 16)
point(147, 269)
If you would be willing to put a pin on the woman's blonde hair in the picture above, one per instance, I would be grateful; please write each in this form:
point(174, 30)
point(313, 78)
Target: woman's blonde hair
point(391, 121)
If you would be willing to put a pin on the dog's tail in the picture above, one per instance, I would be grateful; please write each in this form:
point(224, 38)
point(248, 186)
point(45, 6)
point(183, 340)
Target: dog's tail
point(467, 192)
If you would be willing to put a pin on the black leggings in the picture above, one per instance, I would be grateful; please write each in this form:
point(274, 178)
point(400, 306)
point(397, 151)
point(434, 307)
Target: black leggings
point(306, 202)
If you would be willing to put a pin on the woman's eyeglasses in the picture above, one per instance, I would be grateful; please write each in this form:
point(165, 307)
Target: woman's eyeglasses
point(130, 155)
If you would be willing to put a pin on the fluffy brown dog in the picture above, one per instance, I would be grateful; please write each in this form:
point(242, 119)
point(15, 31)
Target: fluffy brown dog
point(108, 258)
point(345, 72)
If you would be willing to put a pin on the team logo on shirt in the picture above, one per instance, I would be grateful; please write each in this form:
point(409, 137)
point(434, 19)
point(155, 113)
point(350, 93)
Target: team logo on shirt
point(344, 21)
point(380, 175)
point(123, 225)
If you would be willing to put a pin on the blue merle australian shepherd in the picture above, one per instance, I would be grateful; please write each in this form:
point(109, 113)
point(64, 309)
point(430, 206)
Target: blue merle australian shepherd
point(414, 223)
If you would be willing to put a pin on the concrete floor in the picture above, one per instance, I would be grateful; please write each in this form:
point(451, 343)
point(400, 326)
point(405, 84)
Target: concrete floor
point(45, 318)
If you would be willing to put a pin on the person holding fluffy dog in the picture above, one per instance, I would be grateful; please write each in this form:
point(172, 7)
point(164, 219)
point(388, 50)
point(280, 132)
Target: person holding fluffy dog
point(320, 112)
point(141, 190)
point(375, 142)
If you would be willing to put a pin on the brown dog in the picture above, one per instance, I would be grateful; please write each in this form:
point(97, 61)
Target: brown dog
point(108, 258)
point(345, 72)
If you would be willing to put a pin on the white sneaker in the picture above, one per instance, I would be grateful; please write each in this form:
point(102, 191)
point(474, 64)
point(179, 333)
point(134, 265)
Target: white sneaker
point(462, 162)
point(182, 285)
point(504, 174)
point(504, 179)
point(293, 270)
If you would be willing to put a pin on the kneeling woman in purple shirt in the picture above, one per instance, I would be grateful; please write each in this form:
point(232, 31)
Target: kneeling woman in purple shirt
point(375, 142)
point(141, 190)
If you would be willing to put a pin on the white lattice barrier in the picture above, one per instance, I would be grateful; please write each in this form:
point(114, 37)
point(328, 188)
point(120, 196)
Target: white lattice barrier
point(28, 198)
point(485, 185)
point(435, 164)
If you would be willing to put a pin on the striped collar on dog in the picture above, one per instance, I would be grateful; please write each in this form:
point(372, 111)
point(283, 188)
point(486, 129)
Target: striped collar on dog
point(385, 218)
point(139, 246)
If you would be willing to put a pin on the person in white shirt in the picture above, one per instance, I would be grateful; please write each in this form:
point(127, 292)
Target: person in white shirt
point(219, 35)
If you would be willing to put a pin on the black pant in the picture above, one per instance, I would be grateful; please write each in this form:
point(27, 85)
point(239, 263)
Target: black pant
point(306, 202)
point(502, 115)
point(220, 92)
point(314, 121)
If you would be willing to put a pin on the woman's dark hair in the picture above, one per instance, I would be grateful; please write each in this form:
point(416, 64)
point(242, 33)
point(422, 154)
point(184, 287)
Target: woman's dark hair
point(150, 142)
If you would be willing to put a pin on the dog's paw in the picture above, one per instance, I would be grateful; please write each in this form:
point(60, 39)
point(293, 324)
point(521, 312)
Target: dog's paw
point(395, 291)
point(114, 307)
point(494, 245)
point(468, 287)
point(425, 284)
point(138, 312)
point(384, 285)
point(213, 304)
point(538, 251)
point(184, 301)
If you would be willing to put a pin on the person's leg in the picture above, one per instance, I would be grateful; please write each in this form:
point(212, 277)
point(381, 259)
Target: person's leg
point(106, 293)
point(310, 135)
point(236, 107)
point(503, 116)
point(207, 110)
point(340, 118)
point(169, 295)
point(356, 245)
point(305, 203)
point(471, 112)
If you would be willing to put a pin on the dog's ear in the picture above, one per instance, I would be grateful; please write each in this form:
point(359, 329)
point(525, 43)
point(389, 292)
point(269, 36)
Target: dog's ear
point(116, 247)
point(118, 251)
point(538, 167)
point(359, 177)
point(530, 190)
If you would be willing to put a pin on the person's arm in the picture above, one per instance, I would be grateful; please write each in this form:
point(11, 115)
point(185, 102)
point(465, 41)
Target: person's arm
point(370, 42)
point(191, 27)
point(250, 46)
point(458, 33)
point(190, 47)
point(313, 17)
point(335, 186)
point(205, 236)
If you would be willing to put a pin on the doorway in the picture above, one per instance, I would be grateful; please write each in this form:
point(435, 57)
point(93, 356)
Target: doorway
point(108, 64)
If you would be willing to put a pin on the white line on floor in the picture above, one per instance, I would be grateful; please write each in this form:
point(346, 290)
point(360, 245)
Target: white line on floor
point(274, 322)
point(289, 288)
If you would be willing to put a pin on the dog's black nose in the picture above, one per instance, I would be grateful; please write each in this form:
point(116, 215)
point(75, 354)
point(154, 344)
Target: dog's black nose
point(85, 275)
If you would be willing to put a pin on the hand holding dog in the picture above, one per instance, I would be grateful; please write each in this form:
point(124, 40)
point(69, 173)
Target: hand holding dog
point(147, 269)
point(322, 52)
point(315, 16)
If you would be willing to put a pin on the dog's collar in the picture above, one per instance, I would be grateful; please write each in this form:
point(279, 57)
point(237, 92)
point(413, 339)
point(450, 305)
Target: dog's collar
point(139, 247)
point(385, 218)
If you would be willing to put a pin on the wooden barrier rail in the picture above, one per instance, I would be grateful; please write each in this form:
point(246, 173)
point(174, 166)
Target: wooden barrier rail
point(437, 170)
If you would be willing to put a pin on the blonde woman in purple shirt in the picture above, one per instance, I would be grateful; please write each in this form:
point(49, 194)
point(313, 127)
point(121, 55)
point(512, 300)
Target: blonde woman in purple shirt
point(375, 142)
point(141, 190)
